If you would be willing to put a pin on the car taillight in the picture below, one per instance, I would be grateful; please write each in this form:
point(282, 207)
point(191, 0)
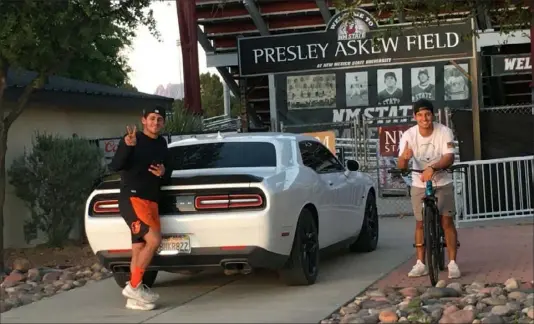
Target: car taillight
point(228, 201)
point(106, 207)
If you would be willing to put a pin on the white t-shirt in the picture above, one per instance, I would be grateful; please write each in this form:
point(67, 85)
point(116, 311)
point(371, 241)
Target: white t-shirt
point(428, 151)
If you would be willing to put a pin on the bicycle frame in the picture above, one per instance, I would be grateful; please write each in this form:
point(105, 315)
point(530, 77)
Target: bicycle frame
point(430, 196)
point(434, 236)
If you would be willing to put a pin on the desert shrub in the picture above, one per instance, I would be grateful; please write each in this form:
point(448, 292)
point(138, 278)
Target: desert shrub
point(54, 180)
point(182, 121)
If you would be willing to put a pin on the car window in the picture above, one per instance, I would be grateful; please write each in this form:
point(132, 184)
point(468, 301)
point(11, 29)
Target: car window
point(317, 157)
point(223, 155)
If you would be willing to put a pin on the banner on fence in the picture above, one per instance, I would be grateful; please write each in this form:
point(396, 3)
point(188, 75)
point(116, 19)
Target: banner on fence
point(109, 147)
point(511, 64)
point(387, 156)
point(328, 138)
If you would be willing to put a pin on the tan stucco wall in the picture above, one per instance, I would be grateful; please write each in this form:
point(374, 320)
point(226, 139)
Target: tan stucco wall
point(84, 122)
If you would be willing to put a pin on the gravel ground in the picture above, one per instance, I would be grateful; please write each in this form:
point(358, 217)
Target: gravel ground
point(508, 302)
point(25, 285)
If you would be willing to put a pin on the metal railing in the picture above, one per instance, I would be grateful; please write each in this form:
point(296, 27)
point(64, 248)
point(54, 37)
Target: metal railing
point(221, 122)
point(495, 189)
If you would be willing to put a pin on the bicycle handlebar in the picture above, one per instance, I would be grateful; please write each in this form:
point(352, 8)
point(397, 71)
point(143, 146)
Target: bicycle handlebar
point(407, 171)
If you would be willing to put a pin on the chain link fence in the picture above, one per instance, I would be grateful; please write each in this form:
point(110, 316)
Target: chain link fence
point(511, 109)
point(345, 136)
point(358, 140)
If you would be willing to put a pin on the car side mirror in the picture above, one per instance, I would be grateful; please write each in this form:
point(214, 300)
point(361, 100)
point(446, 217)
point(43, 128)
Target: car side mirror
point(353, 165)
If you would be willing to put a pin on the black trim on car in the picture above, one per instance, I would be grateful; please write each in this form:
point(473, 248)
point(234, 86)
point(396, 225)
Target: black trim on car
point(194, 180)
point(199, 258)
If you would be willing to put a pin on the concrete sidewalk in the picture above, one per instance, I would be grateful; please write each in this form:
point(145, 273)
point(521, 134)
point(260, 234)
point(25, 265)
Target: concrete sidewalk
point(214, 298)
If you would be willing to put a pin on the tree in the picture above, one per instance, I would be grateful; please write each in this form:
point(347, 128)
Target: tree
point(510, 15)
point(103, 63)
point(47, 37)
point(212, 96)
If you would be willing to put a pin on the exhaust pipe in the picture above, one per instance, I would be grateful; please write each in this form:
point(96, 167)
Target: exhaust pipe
point(235, 267)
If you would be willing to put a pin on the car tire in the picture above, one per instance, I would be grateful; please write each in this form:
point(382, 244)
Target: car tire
point(122, 278)
point(368, 237)
point(297, 271)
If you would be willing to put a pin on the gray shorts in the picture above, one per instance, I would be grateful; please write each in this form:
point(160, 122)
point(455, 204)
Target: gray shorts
point(445, 197)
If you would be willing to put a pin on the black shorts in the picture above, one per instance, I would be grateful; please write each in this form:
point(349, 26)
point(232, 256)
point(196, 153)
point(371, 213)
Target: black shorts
point(140, 215)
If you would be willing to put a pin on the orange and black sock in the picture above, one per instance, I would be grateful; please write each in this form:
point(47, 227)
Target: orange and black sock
point(137, 276)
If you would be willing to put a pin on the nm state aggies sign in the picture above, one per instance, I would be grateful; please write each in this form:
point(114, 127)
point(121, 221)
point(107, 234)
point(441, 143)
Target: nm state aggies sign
point(352, 42)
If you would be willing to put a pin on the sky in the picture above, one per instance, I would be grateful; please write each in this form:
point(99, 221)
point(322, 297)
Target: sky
point(160, 62)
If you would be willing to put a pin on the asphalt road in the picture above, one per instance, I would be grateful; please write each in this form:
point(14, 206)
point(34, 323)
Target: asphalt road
point(216, 298)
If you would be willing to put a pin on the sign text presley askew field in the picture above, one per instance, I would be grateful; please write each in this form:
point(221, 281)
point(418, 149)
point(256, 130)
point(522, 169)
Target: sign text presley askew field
point(344, 45)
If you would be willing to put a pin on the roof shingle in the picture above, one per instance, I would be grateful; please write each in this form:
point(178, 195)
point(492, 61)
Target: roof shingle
point(20, 78)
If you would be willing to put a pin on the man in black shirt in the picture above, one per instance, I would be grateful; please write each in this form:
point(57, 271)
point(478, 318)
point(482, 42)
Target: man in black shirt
point(142, 157)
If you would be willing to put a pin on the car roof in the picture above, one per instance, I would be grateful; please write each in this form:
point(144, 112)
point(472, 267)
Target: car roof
point(236, 137)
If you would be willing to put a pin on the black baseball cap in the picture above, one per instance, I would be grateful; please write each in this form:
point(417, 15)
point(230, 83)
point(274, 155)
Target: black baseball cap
point(154, 110)
point(423, 104)
point(390, 74)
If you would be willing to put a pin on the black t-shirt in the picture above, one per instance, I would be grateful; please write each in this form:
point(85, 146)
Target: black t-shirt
point(134, 161)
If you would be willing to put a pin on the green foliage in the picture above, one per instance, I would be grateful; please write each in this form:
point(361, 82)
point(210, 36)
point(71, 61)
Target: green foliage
point(74, 38)
point(212, 96)
point(212, 100)
point(54, 180)
point(59, 37)
point(182, 121)
point(104, 63)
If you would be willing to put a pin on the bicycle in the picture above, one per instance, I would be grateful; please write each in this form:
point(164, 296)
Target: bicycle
point(434, 236)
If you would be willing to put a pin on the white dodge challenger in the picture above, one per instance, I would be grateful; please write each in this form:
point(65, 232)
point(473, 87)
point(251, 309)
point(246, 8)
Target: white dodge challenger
point(245, 201)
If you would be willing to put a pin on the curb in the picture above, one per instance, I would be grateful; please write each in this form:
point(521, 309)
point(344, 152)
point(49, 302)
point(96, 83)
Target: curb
point(365, 289)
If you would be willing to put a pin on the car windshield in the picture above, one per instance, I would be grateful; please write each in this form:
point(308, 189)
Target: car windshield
point(223, 155)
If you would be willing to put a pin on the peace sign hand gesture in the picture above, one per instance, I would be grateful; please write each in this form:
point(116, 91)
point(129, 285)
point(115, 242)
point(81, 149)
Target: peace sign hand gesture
point(130, 139)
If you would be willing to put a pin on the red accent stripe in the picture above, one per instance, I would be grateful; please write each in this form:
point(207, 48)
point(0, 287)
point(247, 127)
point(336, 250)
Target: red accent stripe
point(200, 199)
point(98, 209)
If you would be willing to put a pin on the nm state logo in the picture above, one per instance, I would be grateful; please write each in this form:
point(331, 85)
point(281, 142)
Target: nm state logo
point(352, 25)
point(355, 29)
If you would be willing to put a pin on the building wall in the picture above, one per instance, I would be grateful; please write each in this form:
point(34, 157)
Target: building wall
point(91, 123)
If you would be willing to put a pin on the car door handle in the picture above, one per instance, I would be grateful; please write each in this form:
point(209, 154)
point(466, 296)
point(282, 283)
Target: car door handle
point(330, 183)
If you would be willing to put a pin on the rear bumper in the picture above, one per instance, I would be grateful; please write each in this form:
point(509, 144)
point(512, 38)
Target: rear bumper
point(199, 258)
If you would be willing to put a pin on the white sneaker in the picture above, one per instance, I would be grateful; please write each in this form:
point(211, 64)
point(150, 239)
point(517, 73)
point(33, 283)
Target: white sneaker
point(454, 271)
point(137, 305)
point(418, 270)
point(142, 293)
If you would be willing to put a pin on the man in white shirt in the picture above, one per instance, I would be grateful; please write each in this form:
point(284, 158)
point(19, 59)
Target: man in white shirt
point(431, 146)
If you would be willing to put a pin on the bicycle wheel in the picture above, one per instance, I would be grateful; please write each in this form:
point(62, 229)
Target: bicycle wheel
point(441, 248)
point(431, 243)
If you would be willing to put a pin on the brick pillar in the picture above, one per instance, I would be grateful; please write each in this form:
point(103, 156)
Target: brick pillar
point(187, 23)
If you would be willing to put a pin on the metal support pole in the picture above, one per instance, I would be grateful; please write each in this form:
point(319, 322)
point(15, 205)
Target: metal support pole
point(244, 104)
point(226, 92)
point(272, 103)
point(187, 22)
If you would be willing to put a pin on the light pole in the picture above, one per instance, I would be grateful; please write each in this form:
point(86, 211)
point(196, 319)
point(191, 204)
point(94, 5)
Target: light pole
point(180, 70)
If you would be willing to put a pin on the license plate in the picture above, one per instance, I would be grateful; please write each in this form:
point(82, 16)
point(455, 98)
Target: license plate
point(175, 245)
